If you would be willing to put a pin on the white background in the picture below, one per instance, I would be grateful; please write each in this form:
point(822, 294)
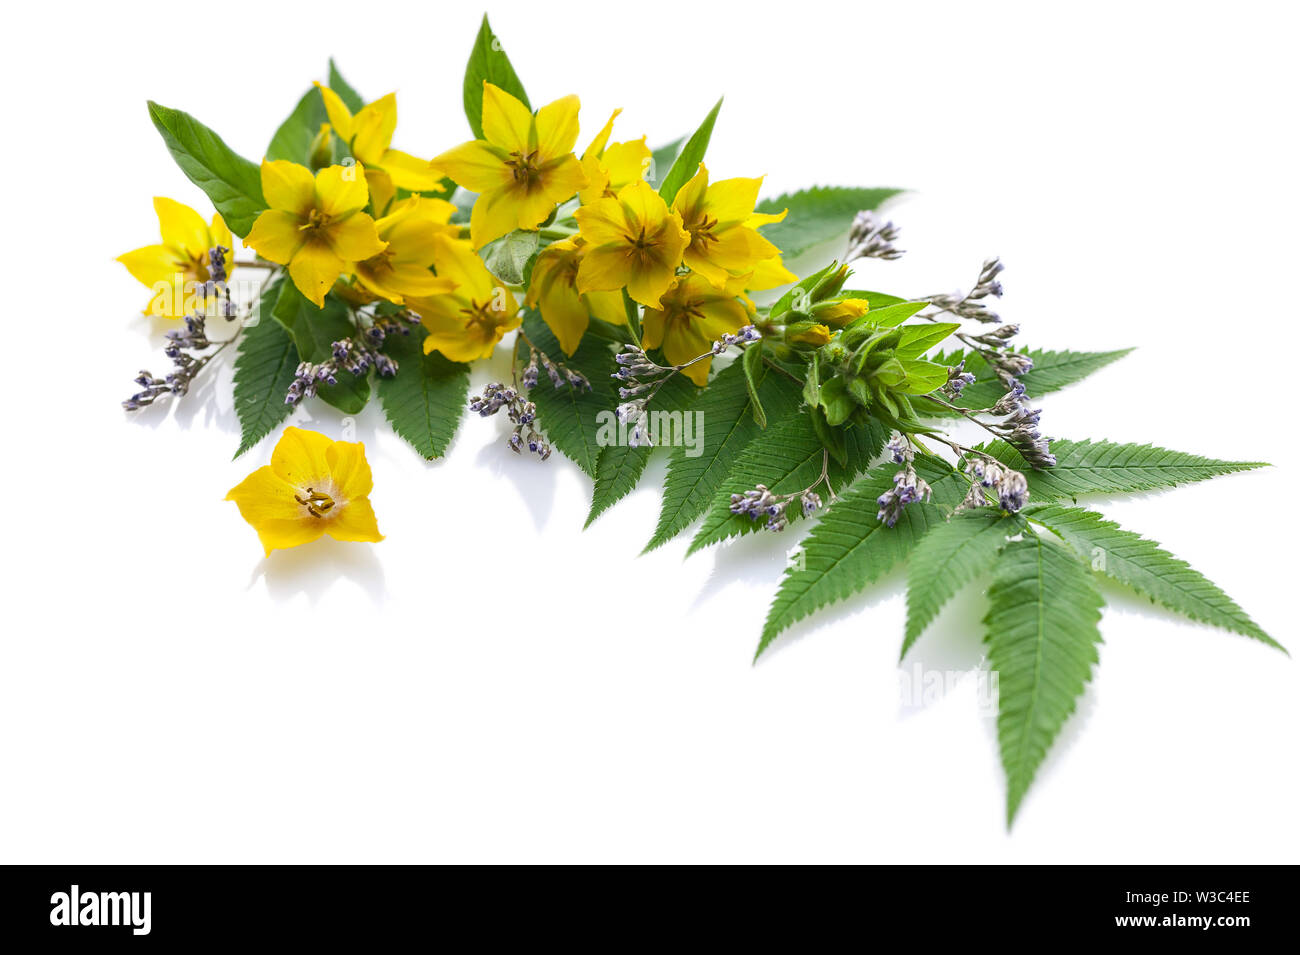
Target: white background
point(493, 683)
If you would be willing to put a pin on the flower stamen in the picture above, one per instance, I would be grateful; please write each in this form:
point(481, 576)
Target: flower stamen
point(315, 502)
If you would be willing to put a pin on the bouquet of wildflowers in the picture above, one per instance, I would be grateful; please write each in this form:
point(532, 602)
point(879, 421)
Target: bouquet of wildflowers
point(649, 302)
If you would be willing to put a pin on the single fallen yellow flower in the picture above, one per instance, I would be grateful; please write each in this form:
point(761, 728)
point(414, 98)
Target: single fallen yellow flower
point(313, 486)
point(175, 268)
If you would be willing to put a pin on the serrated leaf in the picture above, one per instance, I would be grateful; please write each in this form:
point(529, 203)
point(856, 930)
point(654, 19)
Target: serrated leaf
point(351, 98)
point(787, 457)
point(264, 368)
point(849, 548)
point(688, 160)
point(1141, 564)
point(729, 426)
point(292, 141)
point(488, 61)
point(426, 399)
point(817, 215)
point(1052, 371)
point(314, 331)
point(619, 467)
point(1042, 635)
point(948, 558)
point(571, 418)
point(232, 182)
point(1090, 467)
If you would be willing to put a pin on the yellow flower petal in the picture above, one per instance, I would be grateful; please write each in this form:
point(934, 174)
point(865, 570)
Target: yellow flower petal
point(732, 200)
point(607, 306)
point(349, 469)
point(474, 166)
point(355, 522)
point(627, 162)
point(152, 264)
point(410, 173)
point(372, 129)
point(456, 260)
point(689, 201)
point(506, 121)
point(557, 128)
point(597, 146)
point(276, 235)
point(314, 268)
point(381, 188)
point(565, 314)
point(288, 186)
point(338, 112)
point(181, 226)
point(494, 214)
point(341, 190)
point(299, 456)
point(355, 238)
point(769, 273)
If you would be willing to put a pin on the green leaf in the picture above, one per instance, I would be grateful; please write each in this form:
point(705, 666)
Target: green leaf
point(661, 160)
point(570, 417)
point(292, 141)
point(1052, 371)
point(1090, 467)
point(752, 362)
point(232, 182)
point(351, 98)
point(488, 61)
point(919, 339)
point(849, 548)
point(1141, 564)
point(888, 314)
point(688, 161)
point(264, 369)
point(948, 558)
point(314, 331)
point(1042, 635)
point(787, 458)
point(725, 410)
point(426, 399)
point(817, 215)
point(508, 257)
point(922, 377)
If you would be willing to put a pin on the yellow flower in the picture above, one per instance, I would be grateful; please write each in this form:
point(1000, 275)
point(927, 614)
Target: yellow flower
point(314, 226)
point(633, 242)
point(466, 323)
point(609, 168)
point(553, 291)
point(692, 315)
point(312, 486)
point(179, 264)
point(401, 270)
point(723, 227)
point(522, 168)
point(811, 335)
point(839, 313)
point(369, 134)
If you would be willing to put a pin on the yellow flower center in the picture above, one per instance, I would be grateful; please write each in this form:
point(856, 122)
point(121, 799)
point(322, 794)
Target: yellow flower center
point(316, 220)
point(315, 502)
point(483, 318)
point(525, 169)
point(701, 231)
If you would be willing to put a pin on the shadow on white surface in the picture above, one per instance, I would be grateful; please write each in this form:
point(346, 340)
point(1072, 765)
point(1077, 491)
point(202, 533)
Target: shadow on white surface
point(316, 568)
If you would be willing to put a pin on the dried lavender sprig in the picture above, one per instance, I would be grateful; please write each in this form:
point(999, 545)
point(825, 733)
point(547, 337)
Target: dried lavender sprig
point(761, 502)
point(971, 305)
point(181, 344)
point(356, 355)
point(871, 238)
point(522, 412)
point(908, 485)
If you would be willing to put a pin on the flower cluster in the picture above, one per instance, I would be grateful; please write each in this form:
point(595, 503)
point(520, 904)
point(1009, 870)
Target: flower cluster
point(1010, 486)
point(762, 503)
point(872, 238)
